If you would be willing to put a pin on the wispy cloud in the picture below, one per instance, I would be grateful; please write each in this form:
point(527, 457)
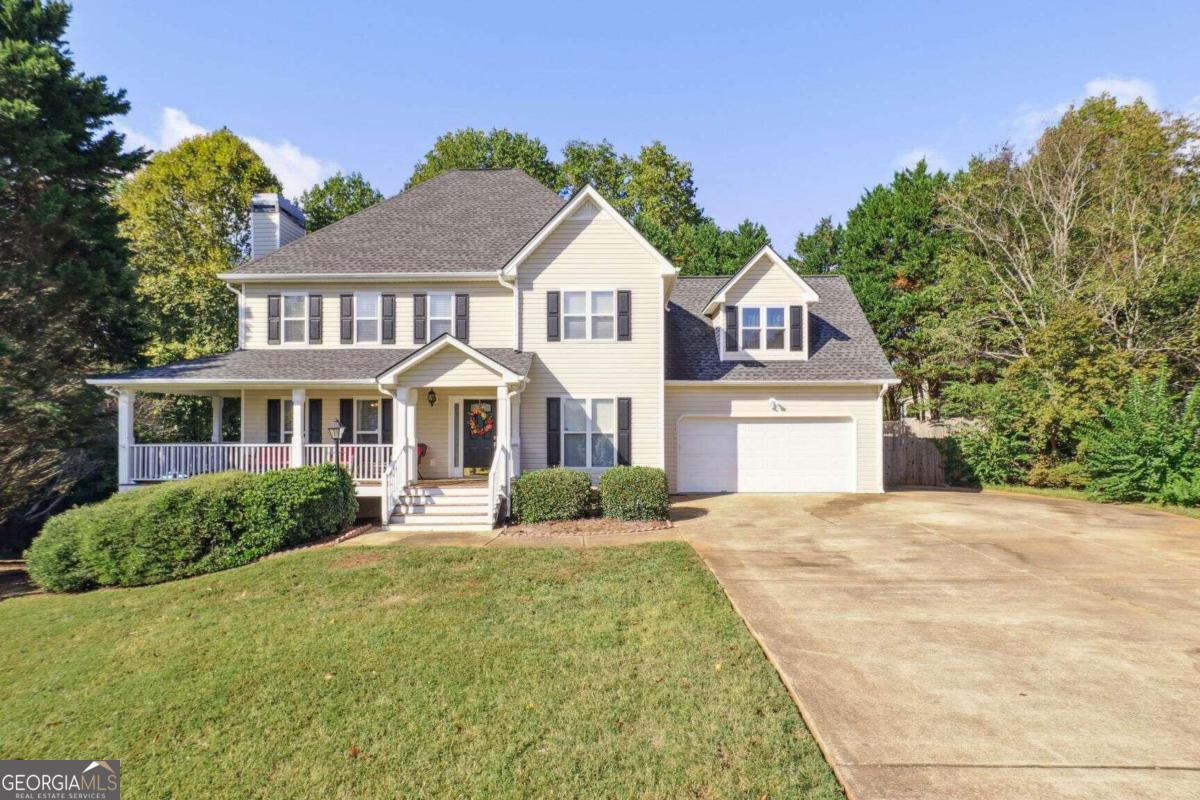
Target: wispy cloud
point(935, 159)
point(296, 169)
point(1125, 90)
point(1028, 122)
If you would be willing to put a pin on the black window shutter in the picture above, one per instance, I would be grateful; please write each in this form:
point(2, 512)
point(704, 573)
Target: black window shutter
point(624, 438)
point(552, 326)
point(273, 421)
point(418, 319)
point(797, 321)
point(624, 328)
point(388, 316)
point(731, 329)
point(346, 417)
point(314, 421)
point(385, 422)
point(272, 319)
point(462, 317)
point(316, 315)
point(552, 428)
point(347, 319)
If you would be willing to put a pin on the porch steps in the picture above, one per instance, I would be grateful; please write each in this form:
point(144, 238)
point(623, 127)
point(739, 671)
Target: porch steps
point(451, 507)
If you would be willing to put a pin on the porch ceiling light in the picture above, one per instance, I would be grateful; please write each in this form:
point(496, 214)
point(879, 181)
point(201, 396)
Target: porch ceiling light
point(336, 430)
point(431, 397)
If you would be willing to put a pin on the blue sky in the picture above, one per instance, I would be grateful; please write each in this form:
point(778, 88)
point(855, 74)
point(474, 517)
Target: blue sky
point(787, 111)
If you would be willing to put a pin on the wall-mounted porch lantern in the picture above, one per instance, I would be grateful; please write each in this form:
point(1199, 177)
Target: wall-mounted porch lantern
point(432, 398)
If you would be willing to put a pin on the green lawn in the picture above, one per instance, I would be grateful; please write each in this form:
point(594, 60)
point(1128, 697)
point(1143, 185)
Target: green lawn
point(1078, 494)
point(412, 672)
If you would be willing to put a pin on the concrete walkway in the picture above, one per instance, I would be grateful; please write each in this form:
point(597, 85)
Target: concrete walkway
point(966, 645)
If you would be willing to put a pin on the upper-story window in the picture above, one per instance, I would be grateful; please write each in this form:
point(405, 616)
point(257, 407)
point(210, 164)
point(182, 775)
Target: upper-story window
point(295, 318)
point(764, 327)
point(441, 315)
point(366, 317)
point(589, 314)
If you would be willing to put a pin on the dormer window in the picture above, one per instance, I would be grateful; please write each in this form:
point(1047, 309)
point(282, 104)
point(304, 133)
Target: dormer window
point(764, 327)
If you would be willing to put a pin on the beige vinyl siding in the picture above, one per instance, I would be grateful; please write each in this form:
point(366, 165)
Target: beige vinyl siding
point(491, 311)
point(764, 284)
point(449, 367)
point(595, 253)
point(859, 403)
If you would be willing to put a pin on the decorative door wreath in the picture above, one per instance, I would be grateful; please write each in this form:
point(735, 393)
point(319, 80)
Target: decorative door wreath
point(481, 421)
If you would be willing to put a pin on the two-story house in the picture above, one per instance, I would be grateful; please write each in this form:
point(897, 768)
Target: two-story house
point(478, 325)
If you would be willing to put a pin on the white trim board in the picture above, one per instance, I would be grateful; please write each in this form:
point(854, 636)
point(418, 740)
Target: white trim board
point(777, 262)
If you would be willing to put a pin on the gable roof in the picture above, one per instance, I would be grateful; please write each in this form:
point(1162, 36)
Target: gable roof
point(461, 221)
point(777, 263)
point(842, 346)
point(587, 194)
point(443, 342)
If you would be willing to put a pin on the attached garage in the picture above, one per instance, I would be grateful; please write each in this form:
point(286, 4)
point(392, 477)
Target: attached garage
point(782, 438)
point(749, 454)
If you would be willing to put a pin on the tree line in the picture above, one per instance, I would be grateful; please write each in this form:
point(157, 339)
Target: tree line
point(1042, 296)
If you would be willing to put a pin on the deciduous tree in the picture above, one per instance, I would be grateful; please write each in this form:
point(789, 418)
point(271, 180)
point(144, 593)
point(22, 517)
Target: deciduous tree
point(499, 148)
point(337, 197)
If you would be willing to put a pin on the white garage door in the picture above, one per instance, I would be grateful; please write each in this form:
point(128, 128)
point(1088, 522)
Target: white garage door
point(761, 455)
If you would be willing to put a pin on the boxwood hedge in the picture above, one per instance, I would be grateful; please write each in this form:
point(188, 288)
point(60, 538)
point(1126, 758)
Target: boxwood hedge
point(634, 493)
point(189, 527)
point(550, 494)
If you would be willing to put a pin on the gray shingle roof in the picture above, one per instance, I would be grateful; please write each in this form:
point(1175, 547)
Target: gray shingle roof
point(460, 221)
point(843, 346)
point(350, 364)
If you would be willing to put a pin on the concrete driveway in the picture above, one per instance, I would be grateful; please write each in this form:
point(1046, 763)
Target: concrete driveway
point(967, 645)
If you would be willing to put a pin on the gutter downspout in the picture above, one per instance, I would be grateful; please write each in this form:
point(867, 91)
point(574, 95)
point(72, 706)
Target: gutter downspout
point(516, 309)
point(241, 296)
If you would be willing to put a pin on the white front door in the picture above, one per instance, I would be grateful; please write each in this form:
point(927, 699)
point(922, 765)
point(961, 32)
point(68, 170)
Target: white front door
point(766, 455)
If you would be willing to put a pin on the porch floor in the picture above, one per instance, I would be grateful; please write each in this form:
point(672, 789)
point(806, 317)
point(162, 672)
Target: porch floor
point(443, 482)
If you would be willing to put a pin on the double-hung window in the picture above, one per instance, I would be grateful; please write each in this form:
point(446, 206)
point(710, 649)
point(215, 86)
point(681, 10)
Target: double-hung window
point(295, 318)
point(366, 422)
point(366, 317)
point(589, 429)
point(764, 327)
point(589, 314)
point(441, 315)
point(285, 421)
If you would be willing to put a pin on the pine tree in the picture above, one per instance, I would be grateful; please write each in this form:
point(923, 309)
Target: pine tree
point(67, 308)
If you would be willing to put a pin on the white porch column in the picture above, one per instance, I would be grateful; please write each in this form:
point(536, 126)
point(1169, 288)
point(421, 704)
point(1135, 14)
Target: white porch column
point(514, 435)
point(503, 426)
point(218, 403)
point(299, 426)
point(124, 438)
point(402, 437)
point(410, 431)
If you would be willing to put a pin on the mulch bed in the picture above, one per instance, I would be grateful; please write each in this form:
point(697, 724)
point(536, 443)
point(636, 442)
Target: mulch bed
point(590, 526)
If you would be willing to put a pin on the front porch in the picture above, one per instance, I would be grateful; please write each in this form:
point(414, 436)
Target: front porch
point(445, 412)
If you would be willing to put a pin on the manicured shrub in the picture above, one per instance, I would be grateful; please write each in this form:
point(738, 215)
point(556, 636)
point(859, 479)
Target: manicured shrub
point(1048, 474)
point(557, 493)
point(634, 493)
point(1147, 447)
point(189, 527)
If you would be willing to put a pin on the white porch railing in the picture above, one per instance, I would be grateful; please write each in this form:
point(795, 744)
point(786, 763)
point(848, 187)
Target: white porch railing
point(499, 490)
point(366, 462)
point(156, 462)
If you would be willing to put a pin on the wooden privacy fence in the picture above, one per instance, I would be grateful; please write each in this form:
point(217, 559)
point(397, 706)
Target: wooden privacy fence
point(910, 453)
